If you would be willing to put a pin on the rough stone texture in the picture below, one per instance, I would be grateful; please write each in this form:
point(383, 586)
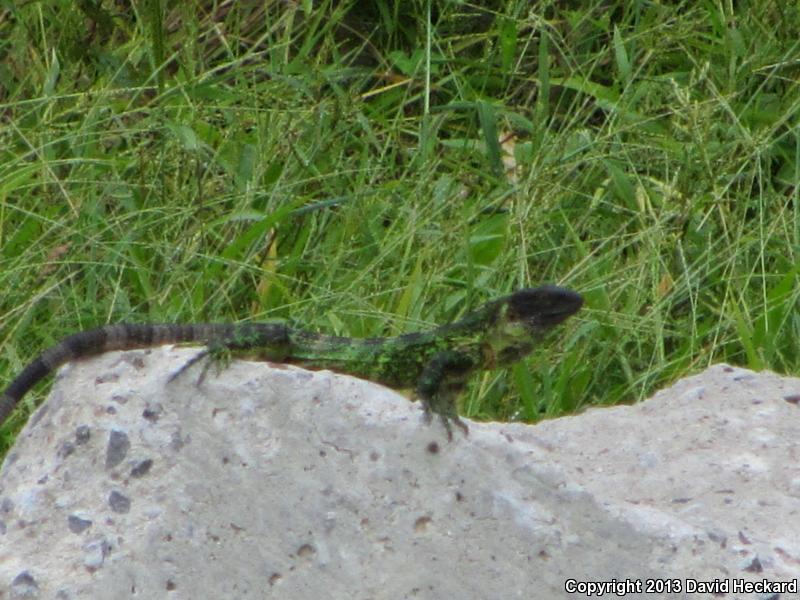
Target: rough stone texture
point(274, 482)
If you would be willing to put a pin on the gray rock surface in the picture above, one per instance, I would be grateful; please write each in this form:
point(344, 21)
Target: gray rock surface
point(274, 482)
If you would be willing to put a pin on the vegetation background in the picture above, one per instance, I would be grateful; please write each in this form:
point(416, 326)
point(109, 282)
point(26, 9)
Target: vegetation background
point(373, 167)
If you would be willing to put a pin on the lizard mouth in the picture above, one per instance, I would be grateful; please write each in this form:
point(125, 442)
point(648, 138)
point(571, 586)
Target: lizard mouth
point(544, 306)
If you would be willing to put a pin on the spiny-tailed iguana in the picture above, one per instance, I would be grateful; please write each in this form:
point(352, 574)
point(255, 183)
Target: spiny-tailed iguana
point(436, 363)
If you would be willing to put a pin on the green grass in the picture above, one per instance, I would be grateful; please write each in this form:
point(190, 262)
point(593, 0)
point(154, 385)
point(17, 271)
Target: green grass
point(371, 168)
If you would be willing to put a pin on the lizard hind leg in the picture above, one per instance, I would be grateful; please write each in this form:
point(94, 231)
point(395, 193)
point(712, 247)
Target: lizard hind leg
point(269, 340)
point(215, 354)
point(203, 354)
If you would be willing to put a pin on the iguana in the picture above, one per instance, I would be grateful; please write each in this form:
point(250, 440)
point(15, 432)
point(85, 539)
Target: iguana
point(435, 364)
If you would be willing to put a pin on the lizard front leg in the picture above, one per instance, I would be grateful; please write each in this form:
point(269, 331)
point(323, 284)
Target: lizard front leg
point(441, 382)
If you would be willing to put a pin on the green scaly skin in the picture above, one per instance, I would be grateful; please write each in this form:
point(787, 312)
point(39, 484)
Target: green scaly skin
point(436, 364)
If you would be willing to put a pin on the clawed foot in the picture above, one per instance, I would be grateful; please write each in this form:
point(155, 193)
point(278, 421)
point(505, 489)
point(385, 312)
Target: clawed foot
point(218, 356)
point(189, 363)
point(447, 420)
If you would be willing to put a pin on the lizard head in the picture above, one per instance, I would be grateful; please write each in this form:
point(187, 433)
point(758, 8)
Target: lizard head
point(524, 317)
point(540, 308)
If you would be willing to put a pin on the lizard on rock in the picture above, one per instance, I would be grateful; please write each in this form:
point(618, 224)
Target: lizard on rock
point(436, 364)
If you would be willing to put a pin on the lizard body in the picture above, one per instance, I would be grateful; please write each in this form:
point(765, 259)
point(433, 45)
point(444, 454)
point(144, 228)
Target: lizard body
point(436, 364)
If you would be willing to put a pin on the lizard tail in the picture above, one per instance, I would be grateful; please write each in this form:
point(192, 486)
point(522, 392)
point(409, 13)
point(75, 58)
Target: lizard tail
point(97, 341)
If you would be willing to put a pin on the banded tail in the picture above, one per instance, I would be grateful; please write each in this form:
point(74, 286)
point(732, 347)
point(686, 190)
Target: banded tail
point(132, 337)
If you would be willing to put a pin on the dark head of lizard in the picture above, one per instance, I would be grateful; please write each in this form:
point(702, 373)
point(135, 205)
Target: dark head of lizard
point(543, 307)
point(435, 364)
point(527, 315)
